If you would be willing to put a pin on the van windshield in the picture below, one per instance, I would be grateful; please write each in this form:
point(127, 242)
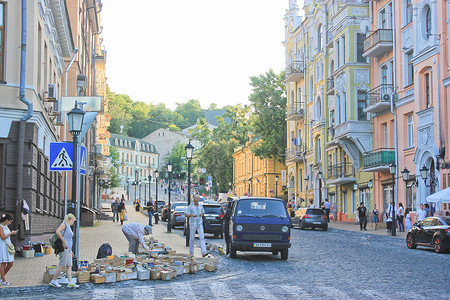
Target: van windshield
point(261, 208)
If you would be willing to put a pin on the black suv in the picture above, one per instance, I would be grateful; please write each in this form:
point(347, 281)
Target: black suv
point(212, 220)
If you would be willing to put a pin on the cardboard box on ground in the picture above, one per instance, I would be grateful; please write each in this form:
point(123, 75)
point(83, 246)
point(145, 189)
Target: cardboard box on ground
point(160, 263)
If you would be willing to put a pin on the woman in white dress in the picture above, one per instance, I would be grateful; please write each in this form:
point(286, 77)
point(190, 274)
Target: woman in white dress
point(6, 259)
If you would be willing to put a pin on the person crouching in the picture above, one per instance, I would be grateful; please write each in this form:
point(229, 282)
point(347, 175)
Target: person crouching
point(134, 232)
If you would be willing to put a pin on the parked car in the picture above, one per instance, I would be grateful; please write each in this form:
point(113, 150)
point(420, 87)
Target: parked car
point(314, 218)
point(178, 216)
point(431, 232)
point(160, 205)
point(165, 215)
point(212, 220)
point(299, 213)
point(257, 224)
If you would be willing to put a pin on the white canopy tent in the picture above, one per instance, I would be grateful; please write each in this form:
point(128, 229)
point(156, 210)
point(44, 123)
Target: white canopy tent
point(441, 196)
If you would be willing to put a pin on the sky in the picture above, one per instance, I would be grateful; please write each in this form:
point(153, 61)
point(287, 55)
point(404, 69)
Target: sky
point(172, 51)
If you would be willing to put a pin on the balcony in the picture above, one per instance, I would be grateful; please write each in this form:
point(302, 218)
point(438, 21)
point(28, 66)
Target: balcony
point(379, 98)
point(352, 128)
point(378, 43)
point(340, 173)
point(378, 160)
point(295, 71)
point(295, 111)
point(330, 85)
point(294, 154)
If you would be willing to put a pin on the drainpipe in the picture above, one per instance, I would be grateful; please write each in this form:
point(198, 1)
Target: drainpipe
point(392, 102)
point(75, 51)
point(21, 139)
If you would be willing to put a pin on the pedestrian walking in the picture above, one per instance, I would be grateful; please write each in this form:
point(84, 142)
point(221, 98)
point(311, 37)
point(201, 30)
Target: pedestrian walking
point(195, 213)
point(327, 209)
point(391, 211)
point(65, 234)
point(6, 258)
point(426, 207)
point(311, 204)
point(115, 210)
point(122, 211)
point(408, 224)
point(135, 232)
point(334, 210)
point(137, 205)
point(421, 214)
point(303, 203)
point(375, 218)
point(150, 210)
point(400, 217)
point(357, 215)
point(361, 213)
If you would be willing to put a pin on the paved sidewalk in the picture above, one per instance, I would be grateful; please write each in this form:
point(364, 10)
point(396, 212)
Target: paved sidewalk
point(350, 226)
point(29, 272)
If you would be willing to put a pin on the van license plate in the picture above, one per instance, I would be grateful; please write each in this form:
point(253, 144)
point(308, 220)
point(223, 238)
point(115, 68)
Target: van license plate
point(210, 218)
point(262, 245)
point(317, 223)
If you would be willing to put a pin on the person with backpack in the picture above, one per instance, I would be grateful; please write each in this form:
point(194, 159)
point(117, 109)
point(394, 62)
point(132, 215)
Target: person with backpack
point(122, 210)
point(63, 249)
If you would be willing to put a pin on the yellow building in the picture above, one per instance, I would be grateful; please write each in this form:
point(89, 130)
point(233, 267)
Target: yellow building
point(256, 176)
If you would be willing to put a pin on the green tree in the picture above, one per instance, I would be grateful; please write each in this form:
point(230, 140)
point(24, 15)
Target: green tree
point(176, 158)
point(217, 159)
point(191, 111)
point(269, 102)
point(239, 127)
point(119, 110)
point(201, 132)
point(114, 178)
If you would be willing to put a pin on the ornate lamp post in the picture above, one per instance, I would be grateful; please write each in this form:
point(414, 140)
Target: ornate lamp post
point(189, 151)
point(392, 168)
point(320, 177)
point(149, 186)
point(276, 185)
point(145, 190)
point(128, 189)
point(156, 197)
point(169, 170)
point(75, 118)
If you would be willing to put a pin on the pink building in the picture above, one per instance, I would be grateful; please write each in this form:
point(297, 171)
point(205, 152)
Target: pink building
point(408, 46)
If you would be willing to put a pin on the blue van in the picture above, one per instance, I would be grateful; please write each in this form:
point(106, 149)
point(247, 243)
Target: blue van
point(257, 224)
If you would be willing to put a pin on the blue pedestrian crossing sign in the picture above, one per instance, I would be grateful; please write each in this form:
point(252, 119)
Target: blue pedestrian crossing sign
point(83, 160)
point(61, 156)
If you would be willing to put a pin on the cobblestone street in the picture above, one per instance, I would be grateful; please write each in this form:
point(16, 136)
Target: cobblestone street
point(336, 264)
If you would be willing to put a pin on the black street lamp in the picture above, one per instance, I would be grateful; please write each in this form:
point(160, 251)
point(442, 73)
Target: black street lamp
point(156, 197)
point(136, 172)
point(189, 151)
point(276, 186)
point(145, 190)
point(149, 186)
point(392, 169)
point(128, 189)
point(75, 118)
point(169, 170)
point(140, 185)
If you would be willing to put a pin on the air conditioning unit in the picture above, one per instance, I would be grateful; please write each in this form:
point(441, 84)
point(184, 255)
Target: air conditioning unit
point(51, 91)
point(301, 111)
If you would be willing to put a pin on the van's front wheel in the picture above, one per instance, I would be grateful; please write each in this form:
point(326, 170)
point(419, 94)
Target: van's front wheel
point(284, 254)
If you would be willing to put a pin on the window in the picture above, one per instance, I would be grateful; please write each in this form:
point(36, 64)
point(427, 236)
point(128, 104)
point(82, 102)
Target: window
point(427, 90)
point(362, 115)
point(2, 39)
point(364, 196)
point(311, 88)
point(411, 197)
point(410, 70)
point(383, 23)
point(360, 47)
point(409, 11)
point(427, 12)
point(410, 125)
point(384, 74)
point(344, 202)
point(319, 37)
point(387, 195)
point(318, 110)
point(385, 135)
point(353, 201)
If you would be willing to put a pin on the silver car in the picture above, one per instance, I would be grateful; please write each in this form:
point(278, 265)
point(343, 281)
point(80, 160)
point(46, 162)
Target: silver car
point(314, 218)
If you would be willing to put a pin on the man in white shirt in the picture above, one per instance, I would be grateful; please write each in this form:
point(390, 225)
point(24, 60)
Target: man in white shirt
point(421, 214)
point(195, 212)
point(134, 232)
point(327, 209)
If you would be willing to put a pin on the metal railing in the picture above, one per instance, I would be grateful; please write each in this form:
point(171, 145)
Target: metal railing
point(379, 157)
point(295, 67)
point(377, 94)
point(295, 108)
point(340, 170)
point(294, 152)
point(378, 36)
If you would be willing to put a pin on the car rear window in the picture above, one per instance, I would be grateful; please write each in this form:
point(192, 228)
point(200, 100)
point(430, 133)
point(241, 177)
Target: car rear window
point(161, 203)
point(261, 208)
point(180, 208)
point(314, 211)
point(213, 210)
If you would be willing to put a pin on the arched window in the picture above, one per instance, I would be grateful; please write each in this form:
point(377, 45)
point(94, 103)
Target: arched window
point(384, 74)
point(318, 109)
point(427, 12)
point(319, 37)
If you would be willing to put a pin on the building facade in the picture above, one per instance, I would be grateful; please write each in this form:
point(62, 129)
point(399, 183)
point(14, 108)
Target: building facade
point(32, 81)
point(138, 159)
point(255, 176)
